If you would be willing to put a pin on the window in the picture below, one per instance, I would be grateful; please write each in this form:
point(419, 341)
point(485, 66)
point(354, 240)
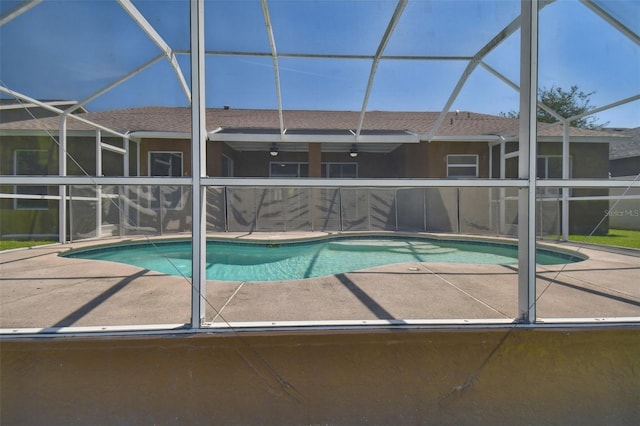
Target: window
point(286, 170)
point(227, 166)
point(339, 170)
point(462, 165)
point(550, 167)
point(329, 170)
point(166, 164)
point(30, 162)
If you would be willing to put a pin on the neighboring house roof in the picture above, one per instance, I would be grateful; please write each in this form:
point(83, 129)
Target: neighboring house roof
point(12, 110)
point(178, 120)
point(626, 148)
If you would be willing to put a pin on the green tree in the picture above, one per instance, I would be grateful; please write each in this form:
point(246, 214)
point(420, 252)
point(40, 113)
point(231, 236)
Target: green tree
point(567, 103)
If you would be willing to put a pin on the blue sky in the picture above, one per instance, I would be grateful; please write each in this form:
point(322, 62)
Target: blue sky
point(70, 49)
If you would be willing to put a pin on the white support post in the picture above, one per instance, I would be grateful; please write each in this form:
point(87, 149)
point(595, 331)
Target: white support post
point(138, 160)
point(126, 193)
point(491, 193)
point(125, 158)
point(198, 169)
point(565, 175)
point(98, 187)
point(527, 162)
point(501, 201)
point(62, 171)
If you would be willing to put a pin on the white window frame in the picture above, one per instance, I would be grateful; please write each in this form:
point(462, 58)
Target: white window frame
point(180, 204)
point(16, 188)
point(460, 166)
point(552, 192)
point(230, 168)
point(546, 166)
point(150, 153)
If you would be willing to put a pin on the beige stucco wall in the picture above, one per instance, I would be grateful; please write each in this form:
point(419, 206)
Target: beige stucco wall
point(451, 377)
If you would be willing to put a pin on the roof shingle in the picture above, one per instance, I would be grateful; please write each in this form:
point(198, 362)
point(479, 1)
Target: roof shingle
point(178, 119)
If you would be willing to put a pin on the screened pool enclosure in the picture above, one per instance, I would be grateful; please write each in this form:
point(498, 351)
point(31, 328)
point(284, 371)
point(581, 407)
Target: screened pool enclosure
point(281, 120)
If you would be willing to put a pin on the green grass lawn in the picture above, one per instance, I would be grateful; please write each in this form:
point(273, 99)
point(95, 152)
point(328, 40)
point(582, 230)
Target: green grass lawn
point(14, 244)
point(616, 237)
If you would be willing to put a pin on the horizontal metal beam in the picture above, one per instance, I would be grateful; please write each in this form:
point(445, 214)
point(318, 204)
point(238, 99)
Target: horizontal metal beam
point(587, 183)
point(287, 138)
point(271, 327)
point(94, 180)
point(364, 183)
point(332, 56)
point(5, 195)
point(311, 182)
point(112, 148)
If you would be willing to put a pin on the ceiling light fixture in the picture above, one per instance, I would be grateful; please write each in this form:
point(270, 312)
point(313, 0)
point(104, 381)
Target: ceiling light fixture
point(353, 153)
point(273, 151)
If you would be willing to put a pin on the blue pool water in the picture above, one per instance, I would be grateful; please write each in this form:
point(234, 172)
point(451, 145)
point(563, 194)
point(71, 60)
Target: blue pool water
point(241, 261)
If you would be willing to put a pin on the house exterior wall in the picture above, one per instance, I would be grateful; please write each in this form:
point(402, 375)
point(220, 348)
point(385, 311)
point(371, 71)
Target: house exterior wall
point(625, 166)
point(588, 160)
point(414, 156)
point(432, 209)
point(437, 156)
point(177, 145)
point(624, 213)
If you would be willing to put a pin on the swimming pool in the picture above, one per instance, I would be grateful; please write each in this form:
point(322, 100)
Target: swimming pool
point(244, 261)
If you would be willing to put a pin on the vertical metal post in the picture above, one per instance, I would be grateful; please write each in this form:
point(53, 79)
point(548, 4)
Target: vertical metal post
point(125, 157)
point(395, 203)
point(62, 171)
point(340, 207)
point(284, 197)
point(458, 208)
point(198, 167)
point(70, 216)
point(138, 158)
point(137, 191)
point(501, 192)
point(98, 187)
point(126, 160)
point(226, 208)
point(368, 207)
point(121, 217)
point(490, 189)
point(527, 161)
point(565, 175)
point(424, 211)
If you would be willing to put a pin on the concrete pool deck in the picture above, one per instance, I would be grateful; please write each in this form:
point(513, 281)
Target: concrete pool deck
point(39, 289)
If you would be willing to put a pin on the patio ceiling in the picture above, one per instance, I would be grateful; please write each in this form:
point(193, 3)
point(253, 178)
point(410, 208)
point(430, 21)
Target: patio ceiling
point(343, 56)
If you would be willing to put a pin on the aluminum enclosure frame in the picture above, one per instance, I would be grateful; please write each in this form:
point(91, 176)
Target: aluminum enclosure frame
point(526, 183)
